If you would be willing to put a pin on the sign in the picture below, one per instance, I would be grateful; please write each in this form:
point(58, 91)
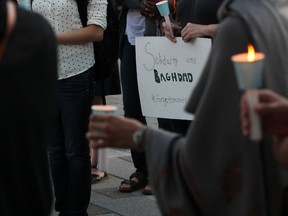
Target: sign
point(167, 73)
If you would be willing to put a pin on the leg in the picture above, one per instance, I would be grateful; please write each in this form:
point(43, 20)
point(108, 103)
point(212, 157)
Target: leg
point(71, 177)
point(131, 100)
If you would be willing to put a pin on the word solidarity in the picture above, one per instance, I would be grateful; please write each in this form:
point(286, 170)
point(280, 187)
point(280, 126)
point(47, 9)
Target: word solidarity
point(172, 77)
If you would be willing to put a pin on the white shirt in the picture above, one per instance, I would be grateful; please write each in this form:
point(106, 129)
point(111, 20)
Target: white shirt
point(64, 17)
point(135, 25)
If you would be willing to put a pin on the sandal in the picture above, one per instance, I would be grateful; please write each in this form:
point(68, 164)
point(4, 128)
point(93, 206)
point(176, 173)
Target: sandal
point(96, 178)
point(137, 181)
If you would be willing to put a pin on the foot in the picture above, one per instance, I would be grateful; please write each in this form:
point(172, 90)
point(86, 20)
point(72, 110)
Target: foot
point(147, 190)
point(97, 175)
point(137, 181)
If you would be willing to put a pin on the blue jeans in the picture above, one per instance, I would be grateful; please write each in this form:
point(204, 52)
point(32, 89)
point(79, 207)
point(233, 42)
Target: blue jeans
point(69, 150)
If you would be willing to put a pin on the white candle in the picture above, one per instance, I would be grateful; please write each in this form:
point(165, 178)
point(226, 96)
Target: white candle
point(163, 7)
point(167, 20)
point(255, 121)
point(103, 152)
point(249, 72)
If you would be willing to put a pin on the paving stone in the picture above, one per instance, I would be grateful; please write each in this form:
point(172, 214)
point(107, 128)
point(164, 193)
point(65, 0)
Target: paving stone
point(113, 193)
point(94, 209)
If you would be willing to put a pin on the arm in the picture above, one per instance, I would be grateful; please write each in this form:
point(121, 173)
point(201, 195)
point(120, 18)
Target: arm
point(83, 35)
point(96, 24)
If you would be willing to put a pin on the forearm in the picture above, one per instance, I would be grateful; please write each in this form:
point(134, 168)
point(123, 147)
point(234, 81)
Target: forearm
point(87, 34)
point(210, 30)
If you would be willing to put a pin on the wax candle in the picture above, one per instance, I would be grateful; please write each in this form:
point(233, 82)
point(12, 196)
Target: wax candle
point(163, 7)
point(249, 72)
point(103, 152)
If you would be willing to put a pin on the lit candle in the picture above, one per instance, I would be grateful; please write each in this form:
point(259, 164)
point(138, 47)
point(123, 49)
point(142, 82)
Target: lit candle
point(103, 152)
point(163, 7)
point(249, 73)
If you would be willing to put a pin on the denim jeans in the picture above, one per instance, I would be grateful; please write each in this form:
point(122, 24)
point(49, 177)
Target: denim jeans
point(69, 150)
point(131, 99)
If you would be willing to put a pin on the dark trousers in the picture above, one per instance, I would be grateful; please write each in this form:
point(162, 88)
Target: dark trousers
point(174, 125)
point(69, 150)
point(131, 100)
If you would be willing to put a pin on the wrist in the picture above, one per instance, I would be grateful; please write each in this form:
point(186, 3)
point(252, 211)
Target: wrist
point(139, 137)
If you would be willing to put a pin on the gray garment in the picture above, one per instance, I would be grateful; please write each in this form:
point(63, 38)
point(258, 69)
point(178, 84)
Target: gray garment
point(214, 170)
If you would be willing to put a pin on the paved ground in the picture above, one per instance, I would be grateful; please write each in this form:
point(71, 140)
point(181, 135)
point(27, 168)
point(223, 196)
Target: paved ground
point(105, 198)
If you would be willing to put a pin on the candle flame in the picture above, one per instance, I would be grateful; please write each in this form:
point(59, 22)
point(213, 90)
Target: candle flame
point(251, 53)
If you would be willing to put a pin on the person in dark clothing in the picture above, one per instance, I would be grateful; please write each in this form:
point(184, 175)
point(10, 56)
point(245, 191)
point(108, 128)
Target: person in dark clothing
point(69, 153)
point(214, 169)
point(28, 85)
point(132, 24)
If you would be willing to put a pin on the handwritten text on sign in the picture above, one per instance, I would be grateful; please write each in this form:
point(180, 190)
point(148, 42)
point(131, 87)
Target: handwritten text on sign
point(167, 74)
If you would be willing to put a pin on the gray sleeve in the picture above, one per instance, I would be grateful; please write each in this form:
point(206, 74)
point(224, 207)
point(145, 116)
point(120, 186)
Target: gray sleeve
point(163, 154)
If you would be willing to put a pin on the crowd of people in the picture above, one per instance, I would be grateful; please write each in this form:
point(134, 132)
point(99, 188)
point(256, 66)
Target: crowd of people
point(209, 166)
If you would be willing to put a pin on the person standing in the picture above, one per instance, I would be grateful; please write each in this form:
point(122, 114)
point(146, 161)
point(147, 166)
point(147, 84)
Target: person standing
point(132, 24)
point(69, 150)
point(28, 91)
point(214, 169)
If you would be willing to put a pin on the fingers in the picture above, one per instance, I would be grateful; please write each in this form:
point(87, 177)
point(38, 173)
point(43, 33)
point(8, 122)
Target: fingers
point(167, 32)
point(191, 31)
point(147, 9)
point(97, 139)
point(98, 143)
point(266, 96)
point(186, 34)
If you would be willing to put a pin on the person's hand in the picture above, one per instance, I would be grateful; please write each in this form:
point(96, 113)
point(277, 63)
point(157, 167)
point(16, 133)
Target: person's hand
point(273, 111)
point(111, 131)
point(148, 8)
point(170, 35)
point(191, 31)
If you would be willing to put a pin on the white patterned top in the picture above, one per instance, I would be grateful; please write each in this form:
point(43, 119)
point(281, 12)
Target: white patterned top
point(64, 17)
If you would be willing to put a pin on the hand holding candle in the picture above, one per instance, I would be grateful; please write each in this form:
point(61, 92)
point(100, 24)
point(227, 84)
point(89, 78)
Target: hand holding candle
point(163, 7)
point(103, 152)
point(249, 73)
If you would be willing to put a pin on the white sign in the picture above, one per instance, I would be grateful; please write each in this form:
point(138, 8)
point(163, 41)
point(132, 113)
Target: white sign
point(167, 73)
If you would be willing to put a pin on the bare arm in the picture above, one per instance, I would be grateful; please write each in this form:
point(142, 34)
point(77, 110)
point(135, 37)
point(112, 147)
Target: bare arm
point(87, 34)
